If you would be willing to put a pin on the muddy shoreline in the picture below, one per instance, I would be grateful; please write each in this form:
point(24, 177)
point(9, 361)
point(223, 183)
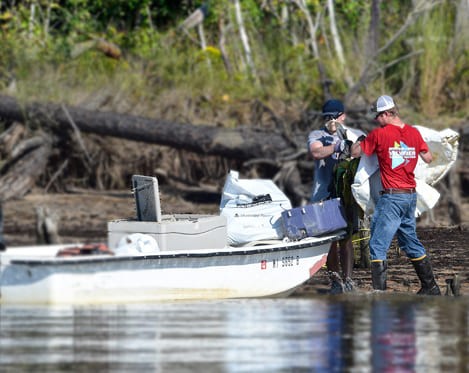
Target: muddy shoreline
point(82, 218)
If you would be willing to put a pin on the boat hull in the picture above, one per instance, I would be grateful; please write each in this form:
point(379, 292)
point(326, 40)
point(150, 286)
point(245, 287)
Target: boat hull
point(272, 269)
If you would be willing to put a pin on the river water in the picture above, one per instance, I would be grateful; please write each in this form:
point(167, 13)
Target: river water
point(353, 333)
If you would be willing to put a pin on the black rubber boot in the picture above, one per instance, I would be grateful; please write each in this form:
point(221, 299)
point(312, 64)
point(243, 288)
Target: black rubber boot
point(424, 271)
point(337, 285)
point(349, 285)
point(379, 275)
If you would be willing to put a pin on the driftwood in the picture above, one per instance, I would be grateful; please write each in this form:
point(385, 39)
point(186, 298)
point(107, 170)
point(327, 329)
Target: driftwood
point(245, 143)
point(241, 143)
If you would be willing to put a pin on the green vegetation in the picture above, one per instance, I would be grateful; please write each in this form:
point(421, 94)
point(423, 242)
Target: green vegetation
point(132, 56)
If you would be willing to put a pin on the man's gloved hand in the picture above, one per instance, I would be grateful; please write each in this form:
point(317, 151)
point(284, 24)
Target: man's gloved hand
point(341, 145)
point(341, 131)
point(331, 126)
point(361, 138)
point(344, 148)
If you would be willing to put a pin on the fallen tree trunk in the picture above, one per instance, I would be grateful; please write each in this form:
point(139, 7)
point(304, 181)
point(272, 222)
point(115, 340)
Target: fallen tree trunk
point(241, 143)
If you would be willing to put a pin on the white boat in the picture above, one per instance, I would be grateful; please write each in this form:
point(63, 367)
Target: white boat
point(192, 261)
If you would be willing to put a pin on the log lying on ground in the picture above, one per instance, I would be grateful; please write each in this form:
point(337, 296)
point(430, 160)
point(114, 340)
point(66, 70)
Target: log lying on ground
point(244, 142)
point(241, 143)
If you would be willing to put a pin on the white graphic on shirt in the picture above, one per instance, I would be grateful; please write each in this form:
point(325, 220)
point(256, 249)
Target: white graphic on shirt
point(400, 154)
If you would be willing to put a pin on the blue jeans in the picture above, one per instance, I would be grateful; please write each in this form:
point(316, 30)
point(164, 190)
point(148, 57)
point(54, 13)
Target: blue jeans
point(395, 213)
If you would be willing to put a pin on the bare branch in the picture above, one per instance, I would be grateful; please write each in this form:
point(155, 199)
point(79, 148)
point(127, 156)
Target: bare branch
point(369, 70)
point(77, 133)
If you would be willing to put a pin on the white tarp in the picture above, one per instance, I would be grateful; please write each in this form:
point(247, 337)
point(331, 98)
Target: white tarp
point(250, 214)
point(444, 147)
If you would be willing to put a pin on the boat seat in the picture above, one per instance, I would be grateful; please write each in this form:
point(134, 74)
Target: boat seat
point(147, 198)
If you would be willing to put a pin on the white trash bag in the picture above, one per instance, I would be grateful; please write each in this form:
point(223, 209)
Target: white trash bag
point(444, 148)
point(137, 244)
point(253, 209)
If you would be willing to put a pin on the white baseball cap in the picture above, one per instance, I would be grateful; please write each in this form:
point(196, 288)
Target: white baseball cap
point(383, 103)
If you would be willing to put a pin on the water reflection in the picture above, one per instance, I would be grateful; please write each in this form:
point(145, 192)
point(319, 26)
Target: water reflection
point(364, 333)
point(393, 337)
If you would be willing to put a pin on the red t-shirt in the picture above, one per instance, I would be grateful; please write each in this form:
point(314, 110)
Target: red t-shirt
point(398, 151)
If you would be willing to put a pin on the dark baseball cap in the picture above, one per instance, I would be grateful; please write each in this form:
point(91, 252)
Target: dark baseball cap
point(333, 108)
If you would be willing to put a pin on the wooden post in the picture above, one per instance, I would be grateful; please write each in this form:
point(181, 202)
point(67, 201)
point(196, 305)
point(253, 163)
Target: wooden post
point(364, 235)
point(454, 195)
point(46, 226)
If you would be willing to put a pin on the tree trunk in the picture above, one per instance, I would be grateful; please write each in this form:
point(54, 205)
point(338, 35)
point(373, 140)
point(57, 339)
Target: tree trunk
point(242, 143)
point(338, 44)
point(312, 27)
point(221, 44)
point(373, 30)
point(244, 39)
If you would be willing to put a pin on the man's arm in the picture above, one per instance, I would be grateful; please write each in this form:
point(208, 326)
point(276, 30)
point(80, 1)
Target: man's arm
point(427, 157)
point(356, 149)
point(319, 151)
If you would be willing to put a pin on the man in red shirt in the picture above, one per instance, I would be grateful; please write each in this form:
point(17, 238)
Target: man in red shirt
point(397, 146)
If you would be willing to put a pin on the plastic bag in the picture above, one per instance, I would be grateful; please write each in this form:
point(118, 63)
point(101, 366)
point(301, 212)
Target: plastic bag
point(137, 244)
point(253, 209)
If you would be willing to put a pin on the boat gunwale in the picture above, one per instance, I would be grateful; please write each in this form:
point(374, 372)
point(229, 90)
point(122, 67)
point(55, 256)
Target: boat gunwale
point(270, 248)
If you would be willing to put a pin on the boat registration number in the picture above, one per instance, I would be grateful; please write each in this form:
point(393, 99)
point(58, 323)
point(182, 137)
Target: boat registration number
point(286, 261)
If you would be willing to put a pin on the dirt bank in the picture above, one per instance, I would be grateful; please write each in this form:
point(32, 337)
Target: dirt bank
point(83, 216)
point(447, 248)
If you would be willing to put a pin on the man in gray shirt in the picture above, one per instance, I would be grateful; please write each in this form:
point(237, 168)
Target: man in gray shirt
point(325, 146)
